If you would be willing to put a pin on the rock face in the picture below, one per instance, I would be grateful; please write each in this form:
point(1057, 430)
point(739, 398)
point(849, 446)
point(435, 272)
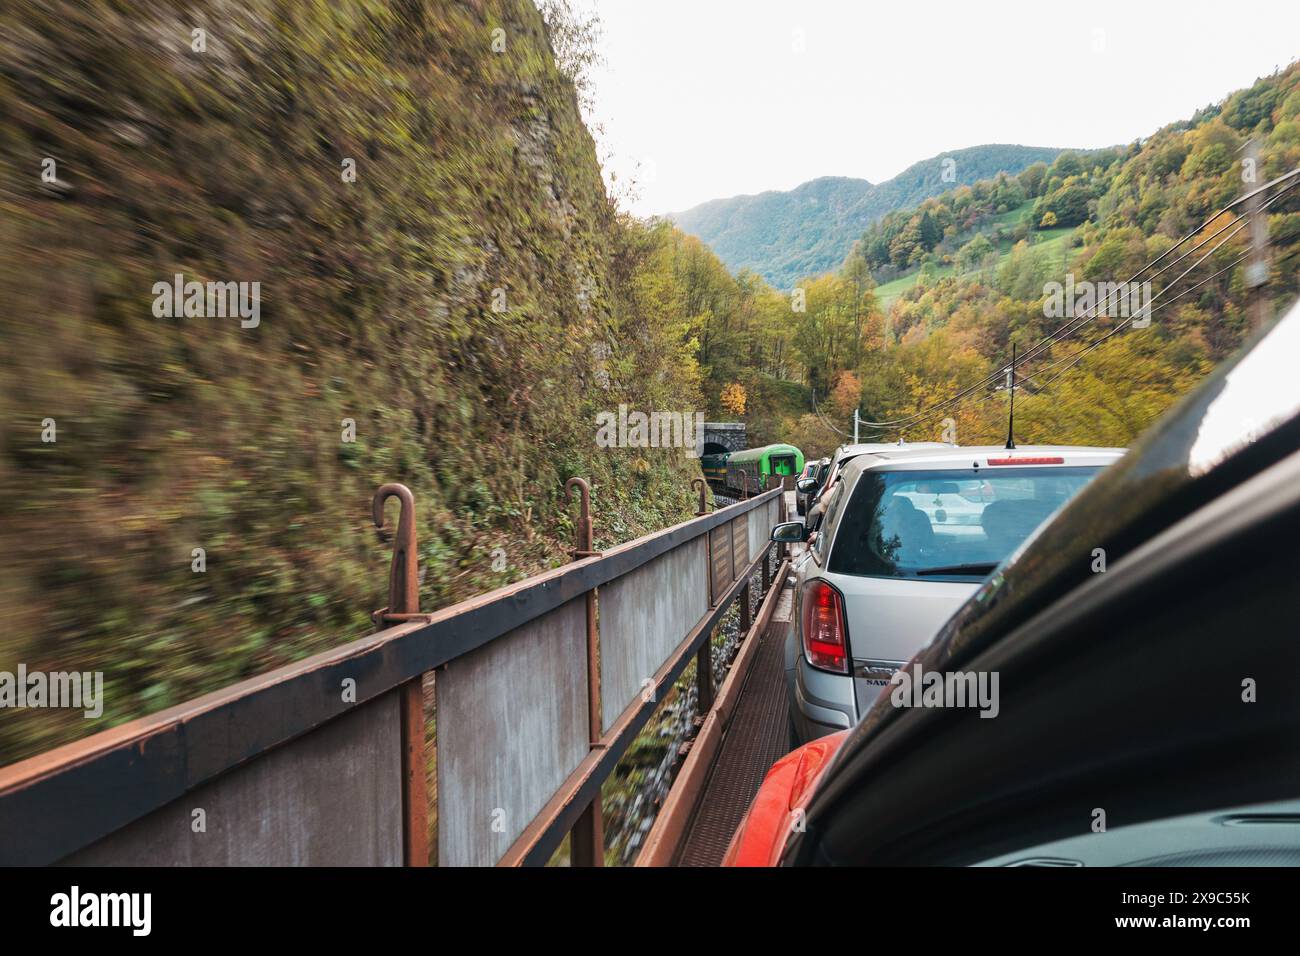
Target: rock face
point(411, 188)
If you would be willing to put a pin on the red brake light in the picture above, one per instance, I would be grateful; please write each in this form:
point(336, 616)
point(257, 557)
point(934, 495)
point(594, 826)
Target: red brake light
point(1027, 461)
point(825, 639)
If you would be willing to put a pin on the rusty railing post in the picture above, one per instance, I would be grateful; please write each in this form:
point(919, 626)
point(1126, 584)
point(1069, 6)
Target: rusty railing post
point(767, 549)
point(587, 839)
point(704, 656)
point(404, 606)
point(745, 617)
point(744, 484)
point(703, 487)
point(781, 515)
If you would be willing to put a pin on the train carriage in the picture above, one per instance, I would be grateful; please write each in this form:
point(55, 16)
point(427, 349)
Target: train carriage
point(763, 467)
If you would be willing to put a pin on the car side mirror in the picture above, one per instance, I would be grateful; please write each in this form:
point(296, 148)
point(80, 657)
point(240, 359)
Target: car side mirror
point(806, 486)
point(790, 532)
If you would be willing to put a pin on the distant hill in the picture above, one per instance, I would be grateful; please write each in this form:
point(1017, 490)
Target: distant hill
point(810, 229)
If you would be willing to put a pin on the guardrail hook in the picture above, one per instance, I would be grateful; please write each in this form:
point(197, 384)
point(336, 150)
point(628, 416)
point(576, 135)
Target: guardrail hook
point(403, 576)
point(585, 527)
point(703, 486)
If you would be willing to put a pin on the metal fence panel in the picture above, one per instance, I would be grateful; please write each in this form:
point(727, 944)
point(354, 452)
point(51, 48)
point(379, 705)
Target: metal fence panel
point(512, 725)
point(332, 797)
point(739, 544)
point(761, 522)
point(644, 616)
point(720, 572)
point(758, 531)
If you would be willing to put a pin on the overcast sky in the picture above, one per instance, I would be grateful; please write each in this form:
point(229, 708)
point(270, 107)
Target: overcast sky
point(715, 98)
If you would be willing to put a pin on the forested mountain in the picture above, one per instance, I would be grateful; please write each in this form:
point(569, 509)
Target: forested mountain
point(810, 229)
point(934, 296)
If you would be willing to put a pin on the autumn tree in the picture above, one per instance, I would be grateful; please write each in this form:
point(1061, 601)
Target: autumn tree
point(733, 398)
point(846, 393)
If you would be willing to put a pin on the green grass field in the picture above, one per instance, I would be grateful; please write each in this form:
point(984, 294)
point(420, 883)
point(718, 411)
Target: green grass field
point(1055, 242)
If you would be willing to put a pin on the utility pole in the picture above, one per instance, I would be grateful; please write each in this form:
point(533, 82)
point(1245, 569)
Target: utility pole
point(1257, 267)
point(855, 426)
point(1011, 386)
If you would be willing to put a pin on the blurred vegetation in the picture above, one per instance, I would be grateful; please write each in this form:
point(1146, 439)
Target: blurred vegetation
point(475, 178)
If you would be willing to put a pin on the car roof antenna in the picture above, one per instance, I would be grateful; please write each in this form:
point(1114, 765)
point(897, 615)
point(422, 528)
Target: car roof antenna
point(1011, 386)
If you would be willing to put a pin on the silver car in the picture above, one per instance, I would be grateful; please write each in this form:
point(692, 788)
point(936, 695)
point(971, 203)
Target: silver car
point(907, 536)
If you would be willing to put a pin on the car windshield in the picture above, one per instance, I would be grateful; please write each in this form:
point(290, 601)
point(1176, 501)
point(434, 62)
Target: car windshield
point(937, 524)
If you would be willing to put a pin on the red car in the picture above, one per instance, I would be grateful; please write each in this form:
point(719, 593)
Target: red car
point(778, 808)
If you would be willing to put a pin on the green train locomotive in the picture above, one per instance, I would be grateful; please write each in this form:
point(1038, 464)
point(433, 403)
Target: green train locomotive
point(763, 467)
point(714, 468)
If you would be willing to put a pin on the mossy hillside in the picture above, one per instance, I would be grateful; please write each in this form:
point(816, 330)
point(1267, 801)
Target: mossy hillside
point(474, 173)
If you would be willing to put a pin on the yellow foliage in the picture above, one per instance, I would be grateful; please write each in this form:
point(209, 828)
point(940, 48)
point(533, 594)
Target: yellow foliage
point(847, 391)
point(733, 398)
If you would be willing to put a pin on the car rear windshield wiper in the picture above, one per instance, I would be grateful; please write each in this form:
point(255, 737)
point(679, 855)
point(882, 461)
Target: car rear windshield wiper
point(979, 567)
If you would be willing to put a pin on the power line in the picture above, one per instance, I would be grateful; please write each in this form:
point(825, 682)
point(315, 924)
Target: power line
point(1077, 324)
point(1060, 334)
point(1071, 327)
point(1239, 219)
point(1129, 321)
point(813, 392)
point(1076, 357)
point(1079, 356)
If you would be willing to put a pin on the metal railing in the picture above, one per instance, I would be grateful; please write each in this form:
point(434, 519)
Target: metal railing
point(540, 688)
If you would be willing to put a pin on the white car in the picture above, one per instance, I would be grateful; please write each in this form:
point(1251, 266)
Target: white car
point(813, 475)
point(908, 535)
point(816, 505)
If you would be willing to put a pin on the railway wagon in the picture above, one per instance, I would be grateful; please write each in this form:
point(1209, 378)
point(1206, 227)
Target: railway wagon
point(762, 466)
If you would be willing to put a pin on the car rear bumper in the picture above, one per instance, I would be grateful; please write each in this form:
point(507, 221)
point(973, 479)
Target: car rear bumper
point(820, 703)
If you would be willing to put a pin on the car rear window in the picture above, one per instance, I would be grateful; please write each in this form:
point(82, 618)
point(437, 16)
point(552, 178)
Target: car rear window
point(946, 524)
